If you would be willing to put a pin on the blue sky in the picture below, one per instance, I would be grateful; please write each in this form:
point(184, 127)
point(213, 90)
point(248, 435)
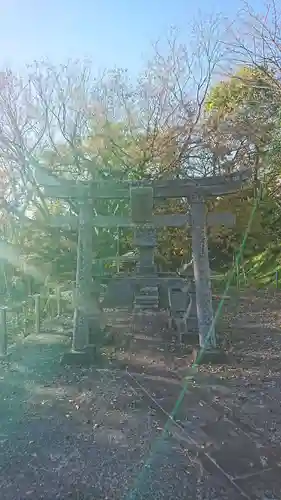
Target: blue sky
point(109, 32)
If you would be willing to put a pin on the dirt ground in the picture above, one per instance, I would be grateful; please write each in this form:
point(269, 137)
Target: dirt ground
point(148, 425)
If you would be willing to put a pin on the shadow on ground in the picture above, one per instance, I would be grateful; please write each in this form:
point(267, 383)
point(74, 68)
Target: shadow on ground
point(79, 434)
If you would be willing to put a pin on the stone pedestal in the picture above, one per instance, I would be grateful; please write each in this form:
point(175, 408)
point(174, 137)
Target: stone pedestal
point(78, 358)
point(210, 356)
point(147, 298)
point(145, 242)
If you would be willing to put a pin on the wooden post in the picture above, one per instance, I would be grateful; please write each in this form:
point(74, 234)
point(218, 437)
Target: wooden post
point(207, 337)
point(53, 304)
point(29, 285)
point(237, 274)
point(73, 301)
point(3, 332)
point(58, 299)
point(37, 313)
point(25, 320)
point(118, 251)
point(17, 317)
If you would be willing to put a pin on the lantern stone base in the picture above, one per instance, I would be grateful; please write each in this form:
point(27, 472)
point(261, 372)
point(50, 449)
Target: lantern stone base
point(208, 356)
point(190, 339)
point(85, 358)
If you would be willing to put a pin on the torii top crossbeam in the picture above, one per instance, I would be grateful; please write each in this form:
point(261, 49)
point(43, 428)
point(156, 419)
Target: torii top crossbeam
point(173, 188)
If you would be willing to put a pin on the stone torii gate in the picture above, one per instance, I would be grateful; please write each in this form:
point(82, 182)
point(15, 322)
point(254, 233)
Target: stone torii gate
point(141, 194)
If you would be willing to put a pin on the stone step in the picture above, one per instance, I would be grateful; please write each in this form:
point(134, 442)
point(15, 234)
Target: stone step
point(153, 291)
point(146, 308)
point(148, 302)
point(148, 298)
point(149, 288)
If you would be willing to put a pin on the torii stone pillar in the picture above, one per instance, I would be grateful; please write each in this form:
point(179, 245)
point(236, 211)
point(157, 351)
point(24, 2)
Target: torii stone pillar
point(207, 336)
point(83, 279)
point(86, 311)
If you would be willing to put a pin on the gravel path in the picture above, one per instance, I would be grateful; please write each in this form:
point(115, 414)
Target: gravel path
point(103, 434)
point(81, 435)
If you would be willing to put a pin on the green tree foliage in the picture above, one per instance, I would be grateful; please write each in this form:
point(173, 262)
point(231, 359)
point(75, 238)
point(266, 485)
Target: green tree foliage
point(244, 110)
point(168, 123)
point(248, 86)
